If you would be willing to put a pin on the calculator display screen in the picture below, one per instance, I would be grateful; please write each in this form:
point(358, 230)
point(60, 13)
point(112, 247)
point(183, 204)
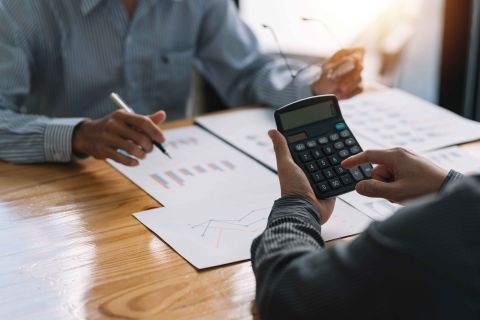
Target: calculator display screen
point(307, 115)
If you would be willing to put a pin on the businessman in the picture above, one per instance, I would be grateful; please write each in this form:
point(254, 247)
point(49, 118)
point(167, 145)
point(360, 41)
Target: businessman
point(422, 263)
point(59, 60)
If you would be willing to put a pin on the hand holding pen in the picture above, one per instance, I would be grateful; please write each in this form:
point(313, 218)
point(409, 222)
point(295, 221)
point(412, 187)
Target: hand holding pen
point(133, 133)
point(122, 105)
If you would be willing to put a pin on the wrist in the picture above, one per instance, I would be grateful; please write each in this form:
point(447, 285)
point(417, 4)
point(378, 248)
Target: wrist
point(79, 145)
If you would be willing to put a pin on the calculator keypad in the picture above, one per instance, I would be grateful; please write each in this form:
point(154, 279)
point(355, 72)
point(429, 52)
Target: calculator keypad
point(321, 157)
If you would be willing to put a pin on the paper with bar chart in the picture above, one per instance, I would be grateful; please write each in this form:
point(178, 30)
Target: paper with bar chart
point(211, 233)
point(202, 167)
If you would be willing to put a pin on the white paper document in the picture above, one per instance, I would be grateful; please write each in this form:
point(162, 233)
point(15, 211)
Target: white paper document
point(449, 158)
point(375, 208)
point(455, 158)
point(202, 168)
point(393, 118)
point(247, 130)
point(212, 233)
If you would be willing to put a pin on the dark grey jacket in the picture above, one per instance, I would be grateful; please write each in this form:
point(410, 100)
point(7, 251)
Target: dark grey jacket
point(422, 263)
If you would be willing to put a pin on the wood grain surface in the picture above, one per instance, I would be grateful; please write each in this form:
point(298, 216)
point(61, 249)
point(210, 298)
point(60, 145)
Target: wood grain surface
point(71, 249)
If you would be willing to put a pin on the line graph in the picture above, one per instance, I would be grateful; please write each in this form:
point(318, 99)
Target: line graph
point(244, 223)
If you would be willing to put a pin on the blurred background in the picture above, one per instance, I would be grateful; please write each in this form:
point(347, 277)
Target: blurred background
point(427, 47)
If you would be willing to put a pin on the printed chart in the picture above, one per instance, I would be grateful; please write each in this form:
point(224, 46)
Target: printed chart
point(375, 208)
point(393, 118)
point(247, 130)
point(208, 234)
point(202, 167)
point(455, 158)
point(169, 179)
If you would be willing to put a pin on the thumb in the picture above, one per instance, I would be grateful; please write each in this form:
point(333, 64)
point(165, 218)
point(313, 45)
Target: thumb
point(280, 145)
point(158, 117)
point(376, 189)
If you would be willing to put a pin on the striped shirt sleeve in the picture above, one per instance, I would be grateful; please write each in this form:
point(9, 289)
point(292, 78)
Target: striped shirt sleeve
point(230, 57)
point(26, 138)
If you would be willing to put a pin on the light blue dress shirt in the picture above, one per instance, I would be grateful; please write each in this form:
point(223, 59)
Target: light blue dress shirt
point(59, 60)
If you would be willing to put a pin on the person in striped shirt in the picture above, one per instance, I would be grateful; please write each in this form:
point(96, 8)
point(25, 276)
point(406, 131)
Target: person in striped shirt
point(59, 60)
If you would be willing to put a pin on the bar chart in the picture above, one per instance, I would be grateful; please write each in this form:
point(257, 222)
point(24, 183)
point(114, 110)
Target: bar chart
point(180, 176)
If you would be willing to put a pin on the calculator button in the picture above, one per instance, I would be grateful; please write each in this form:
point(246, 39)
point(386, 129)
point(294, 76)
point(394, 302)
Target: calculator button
point(317, 176)
point(355, 149)
point(356, 174)
point(340, 126)
point(328, 173)
point(328, 150)
point(367, 170)
point(346, 179)
point(311, 166)
point(343, 153)
point(299, 147)
point(322, 163)
point(305, 156)
point(317, 154)
point(335, 183)
point(345, 133)
point(311, 144)
point(334, 160)
point(339, 145)
point(340, 170)
point(323, 140)
point(350, 142)
point(323, 187)
point(334, 137)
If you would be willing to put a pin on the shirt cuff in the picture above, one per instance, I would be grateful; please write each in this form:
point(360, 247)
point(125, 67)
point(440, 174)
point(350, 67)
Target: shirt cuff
point(58, 139)
point(452, 178)
point(297, 206)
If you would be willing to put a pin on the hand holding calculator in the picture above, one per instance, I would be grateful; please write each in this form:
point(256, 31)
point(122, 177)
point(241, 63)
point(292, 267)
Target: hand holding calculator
point(319, 139)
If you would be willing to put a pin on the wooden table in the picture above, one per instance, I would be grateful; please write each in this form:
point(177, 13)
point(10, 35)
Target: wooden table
point(71, 249)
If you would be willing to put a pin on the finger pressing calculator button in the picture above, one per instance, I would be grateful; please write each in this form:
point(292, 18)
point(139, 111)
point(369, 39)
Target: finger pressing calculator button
point(323, 140)
point(334, 160)
point(356, 174)
point(346, 179)
point(317, 176)
point(311, 144)
point(367, 170)
point(345, 133)
point(328, 173)
point(311, 166)
point(305, 156)
point(355, 149)
point(350, 142)
point(317, 154)
point(335, 183)
point(322, 163)
point(299, 147)
point(334, 137)
point(328, 150)
point(343, 153)
point(323, 187)
point(339, 145)
point(340, 170)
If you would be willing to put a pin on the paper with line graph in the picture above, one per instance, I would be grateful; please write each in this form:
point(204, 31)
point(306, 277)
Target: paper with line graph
point(202, 167)
point(212, 233)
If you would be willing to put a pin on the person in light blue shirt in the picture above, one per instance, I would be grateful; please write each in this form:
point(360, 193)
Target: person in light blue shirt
point(59, 60)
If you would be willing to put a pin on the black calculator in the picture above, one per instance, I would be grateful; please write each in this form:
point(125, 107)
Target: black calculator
point(319, 139)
